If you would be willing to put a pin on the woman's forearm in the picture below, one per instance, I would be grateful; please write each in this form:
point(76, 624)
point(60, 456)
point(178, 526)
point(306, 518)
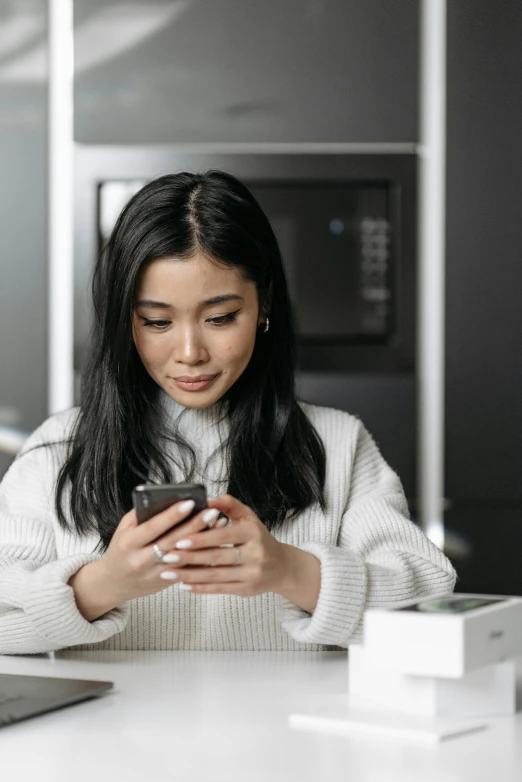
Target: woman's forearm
point(302, 581)
point(93, 598)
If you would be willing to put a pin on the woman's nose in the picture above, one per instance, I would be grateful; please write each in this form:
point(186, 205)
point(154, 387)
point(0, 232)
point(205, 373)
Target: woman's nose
point(189, 347)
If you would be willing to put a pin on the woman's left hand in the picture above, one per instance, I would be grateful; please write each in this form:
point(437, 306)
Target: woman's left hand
point(251, 562)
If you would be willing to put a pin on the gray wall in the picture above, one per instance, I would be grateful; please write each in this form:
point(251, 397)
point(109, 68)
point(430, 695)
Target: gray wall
point(484, 287)
point(484, 250)
point(23, 238)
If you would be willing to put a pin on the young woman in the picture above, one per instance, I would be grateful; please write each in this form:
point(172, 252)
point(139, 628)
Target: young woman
point(190, 377)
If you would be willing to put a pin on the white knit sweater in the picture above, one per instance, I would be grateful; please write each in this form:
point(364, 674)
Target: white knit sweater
point(370, 554)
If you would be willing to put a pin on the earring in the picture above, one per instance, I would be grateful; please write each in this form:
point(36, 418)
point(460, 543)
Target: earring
point(267, 326)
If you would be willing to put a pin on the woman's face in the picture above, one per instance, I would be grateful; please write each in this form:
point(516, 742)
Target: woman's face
point(194, 327)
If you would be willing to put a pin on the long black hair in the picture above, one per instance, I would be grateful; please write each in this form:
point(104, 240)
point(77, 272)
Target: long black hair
point(276, 460)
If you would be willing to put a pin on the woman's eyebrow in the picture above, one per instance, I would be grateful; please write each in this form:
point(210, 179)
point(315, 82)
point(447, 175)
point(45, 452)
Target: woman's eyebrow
point(151, 303)
point(221, 299)
point(206, 303)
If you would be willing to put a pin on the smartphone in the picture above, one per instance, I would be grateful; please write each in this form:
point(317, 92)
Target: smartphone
point(150, 499)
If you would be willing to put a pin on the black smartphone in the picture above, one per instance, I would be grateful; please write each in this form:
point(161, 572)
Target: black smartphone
point(150, 499)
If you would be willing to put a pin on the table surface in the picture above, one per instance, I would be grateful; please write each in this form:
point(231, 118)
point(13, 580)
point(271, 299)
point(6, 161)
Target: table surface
point(223, 716)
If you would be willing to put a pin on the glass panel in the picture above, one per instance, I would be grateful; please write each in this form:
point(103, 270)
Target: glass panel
point(335, 242)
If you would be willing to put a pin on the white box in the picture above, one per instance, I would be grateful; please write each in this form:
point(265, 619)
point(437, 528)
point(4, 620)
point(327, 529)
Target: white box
point(487, 692)
point(419, 637)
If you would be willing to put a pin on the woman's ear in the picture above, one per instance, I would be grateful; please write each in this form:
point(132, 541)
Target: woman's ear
point(263, 316)
point(267, 305)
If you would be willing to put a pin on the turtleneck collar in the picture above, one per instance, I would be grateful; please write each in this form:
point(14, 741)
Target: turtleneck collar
point(206, 430)
point(195, 417)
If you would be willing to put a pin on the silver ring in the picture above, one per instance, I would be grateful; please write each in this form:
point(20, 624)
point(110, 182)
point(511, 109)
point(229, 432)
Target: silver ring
point(158, 553)
point(237, 558)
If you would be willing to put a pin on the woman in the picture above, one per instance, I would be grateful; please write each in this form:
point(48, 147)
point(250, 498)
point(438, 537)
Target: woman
point(191, 377)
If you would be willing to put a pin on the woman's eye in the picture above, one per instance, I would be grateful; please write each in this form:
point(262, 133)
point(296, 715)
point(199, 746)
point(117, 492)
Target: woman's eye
point(156, 324)
point(222, 320)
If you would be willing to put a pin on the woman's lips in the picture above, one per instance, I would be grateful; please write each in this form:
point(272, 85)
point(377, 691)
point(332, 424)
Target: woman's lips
point(195, 384)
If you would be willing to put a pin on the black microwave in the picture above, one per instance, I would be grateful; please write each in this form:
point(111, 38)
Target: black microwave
point(346, 225)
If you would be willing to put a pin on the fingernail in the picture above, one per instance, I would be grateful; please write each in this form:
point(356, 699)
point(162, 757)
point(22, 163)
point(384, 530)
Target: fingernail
point(184, 544)
point(210, 515)
point(186, 587)
point(170, 558)
point(185, 507)
point(222, 523)
point(169, 575)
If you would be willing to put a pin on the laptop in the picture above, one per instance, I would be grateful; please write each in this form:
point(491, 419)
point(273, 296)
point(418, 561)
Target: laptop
point(22, 697)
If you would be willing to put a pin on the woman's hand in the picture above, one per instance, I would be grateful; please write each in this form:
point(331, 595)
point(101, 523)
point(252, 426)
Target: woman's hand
point(129, 568)
point(243, 559)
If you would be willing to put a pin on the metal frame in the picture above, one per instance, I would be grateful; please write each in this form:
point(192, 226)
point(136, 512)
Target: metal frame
point(431, 290)
point(60, 200)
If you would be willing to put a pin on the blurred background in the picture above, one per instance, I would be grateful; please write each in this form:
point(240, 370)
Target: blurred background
point(315, 105)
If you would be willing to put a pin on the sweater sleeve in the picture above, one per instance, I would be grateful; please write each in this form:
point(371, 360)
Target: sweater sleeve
point(381, 559)
point(38, 611)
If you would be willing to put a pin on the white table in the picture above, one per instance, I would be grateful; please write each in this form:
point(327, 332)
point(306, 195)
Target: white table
point(212, 716)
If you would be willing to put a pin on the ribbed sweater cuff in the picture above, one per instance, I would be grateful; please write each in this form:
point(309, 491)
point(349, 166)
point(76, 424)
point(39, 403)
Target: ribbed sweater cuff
point(341, 599)
point(49, 604)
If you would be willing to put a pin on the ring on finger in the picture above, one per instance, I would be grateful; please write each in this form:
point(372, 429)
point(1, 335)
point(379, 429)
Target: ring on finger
point(237, 557)
point(158, 553)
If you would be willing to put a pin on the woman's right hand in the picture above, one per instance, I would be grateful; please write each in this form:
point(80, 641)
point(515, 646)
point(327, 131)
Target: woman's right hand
point(128, 569)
